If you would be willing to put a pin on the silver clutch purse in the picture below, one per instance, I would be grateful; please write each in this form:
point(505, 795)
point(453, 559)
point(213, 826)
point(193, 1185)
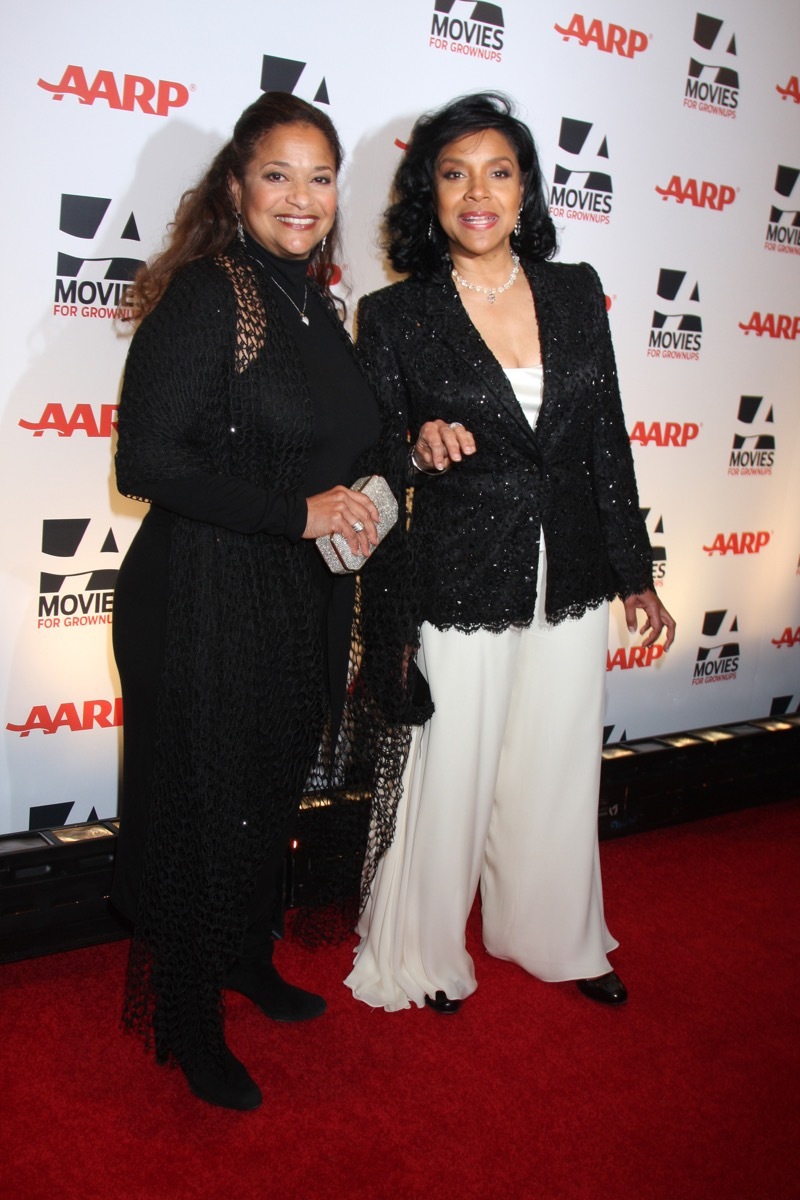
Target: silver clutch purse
point(333, 547)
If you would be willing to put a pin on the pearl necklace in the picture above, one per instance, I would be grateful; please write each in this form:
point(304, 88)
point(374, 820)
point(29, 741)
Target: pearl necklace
point(491, 293)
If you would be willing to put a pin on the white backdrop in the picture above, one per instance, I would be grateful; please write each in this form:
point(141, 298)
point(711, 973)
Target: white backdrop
point(671, 141)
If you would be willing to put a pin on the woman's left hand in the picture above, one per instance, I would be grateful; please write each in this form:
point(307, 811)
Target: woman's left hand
point(440, 444)
point(657, 617)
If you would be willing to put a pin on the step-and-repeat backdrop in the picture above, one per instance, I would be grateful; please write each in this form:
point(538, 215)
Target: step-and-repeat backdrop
point(670, 140)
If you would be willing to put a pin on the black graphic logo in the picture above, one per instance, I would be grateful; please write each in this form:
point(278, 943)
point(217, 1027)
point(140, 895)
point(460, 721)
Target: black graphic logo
point(783, 706)
point(480, 13)
point(63, 603)
point(783, 229)
point(718, 658)
point(582, 187)
point(712, 83)
point(753, 451)
point(87, 281)
point(283, 75)
point(677, 326)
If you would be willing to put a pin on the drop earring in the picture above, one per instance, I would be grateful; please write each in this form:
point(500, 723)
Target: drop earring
point(240, 229)
point(518, 226)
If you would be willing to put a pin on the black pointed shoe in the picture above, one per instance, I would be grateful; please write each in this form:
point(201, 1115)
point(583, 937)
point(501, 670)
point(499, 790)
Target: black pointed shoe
point(277, 999)
point(442, 1003)
point(605, 989)
point(223, 1081)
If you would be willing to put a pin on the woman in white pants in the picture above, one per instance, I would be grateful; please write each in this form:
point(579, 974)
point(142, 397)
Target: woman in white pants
point(525, 522)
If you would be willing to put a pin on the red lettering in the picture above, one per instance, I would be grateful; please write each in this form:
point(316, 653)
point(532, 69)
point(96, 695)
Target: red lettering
point(625, 42)
point(38, 718)
point(635, 656)
point(138, 90)
point(705, 195)
point(748, 542)
point(170, 95)
point(775, 326)
point(792, 90)
point(82, 420)
point(789, 638)
point(103, 713)
point(67, 718)
point(708, 195)
point(96, 712)
point(673, 188)
point(73, 83)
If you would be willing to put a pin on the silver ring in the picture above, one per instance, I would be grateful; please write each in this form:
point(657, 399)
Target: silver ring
point(358, 526)
point(456, 424)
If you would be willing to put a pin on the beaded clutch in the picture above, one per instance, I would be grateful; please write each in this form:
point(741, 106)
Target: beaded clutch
point(334, 548)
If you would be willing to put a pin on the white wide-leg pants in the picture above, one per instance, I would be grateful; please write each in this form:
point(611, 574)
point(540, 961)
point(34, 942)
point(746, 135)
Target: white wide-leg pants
point(501, 788)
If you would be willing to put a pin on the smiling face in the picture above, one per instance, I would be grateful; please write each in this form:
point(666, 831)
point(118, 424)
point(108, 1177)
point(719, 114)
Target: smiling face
point(288, 195)
point(479, 189)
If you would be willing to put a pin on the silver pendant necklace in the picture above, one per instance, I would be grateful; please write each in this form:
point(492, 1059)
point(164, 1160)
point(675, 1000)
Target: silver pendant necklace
point(491, 293)
point(301, 312)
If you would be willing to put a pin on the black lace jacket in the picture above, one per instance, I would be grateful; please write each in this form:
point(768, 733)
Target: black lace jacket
point(474, 534)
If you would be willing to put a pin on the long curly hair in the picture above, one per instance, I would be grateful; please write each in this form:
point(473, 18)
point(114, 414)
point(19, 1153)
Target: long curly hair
point(413, 238)
point(205, 220)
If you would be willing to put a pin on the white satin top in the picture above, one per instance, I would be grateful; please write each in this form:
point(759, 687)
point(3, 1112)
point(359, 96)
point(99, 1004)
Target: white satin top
point(527, 383)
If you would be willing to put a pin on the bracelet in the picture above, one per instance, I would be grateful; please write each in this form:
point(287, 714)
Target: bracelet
point(424, 470)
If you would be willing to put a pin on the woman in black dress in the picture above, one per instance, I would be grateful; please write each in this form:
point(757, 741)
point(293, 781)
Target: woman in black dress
point(243, 413)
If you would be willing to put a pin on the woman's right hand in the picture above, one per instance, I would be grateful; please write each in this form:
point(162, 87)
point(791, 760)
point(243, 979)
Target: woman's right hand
point(338, 511)
point(440, 444)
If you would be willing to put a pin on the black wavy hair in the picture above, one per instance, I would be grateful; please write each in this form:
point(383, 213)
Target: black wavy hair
point(412, 213)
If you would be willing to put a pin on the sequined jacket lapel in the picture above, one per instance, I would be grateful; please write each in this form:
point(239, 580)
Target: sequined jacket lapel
point(447, 315)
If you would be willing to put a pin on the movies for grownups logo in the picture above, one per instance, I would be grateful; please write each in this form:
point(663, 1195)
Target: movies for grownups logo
point(582, 189)
point(468, 29)
point(712, 81)
point(677, 328)
point(718, 657)
point(92, 280)
point(71, 598)
point(283, 75)
point(753, 451)
point(783, 227)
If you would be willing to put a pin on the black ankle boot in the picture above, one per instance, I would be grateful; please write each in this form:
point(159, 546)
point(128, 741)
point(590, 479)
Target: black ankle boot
point(222, 1080)
point(260, 982)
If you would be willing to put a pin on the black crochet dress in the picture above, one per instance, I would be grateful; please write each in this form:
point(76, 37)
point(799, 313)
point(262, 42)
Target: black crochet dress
point(231, 637)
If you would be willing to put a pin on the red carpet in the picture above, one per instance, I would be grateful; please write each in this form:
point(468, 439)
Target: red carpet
point(531, 1091)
